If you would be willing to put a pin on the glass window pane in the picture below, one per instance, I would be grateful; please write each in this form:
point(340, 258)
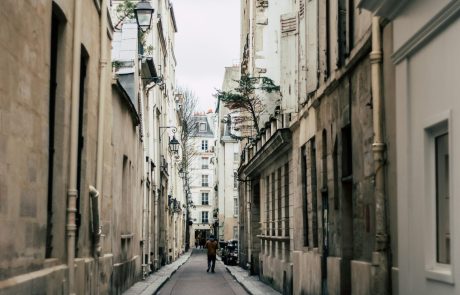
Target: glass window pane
point(442, 199)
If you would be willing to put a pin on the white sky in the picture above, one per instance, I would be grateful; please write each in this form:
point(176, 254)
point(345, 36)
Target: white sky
point(208, 40)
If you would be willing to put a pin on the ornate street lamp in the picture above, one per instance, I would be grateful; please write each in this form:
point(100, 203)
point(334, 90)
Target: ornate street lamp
point(143, 12)
point(174, 145)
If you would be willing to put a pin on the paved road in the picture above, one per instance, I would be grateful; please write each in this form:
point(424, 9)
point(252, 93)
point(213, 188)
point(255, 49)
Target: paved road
point(192, 279)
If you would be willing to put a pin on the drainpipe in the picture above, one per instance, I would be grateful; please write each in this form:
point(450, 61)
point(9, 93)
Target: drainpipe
point(145, 188)
point(379, 256)
point(95, 220)
point(72, 192)
point(95, 200)
point(102, 94)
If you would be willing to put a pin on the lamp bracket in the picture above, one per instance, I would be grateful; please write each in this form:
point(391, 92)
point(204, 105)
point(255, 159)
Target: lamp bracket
point(174, 130)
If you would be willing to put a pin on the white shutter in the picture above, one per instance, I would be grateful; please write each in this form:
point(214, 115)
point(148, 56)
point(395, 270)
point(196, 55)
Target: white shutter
point(289, 63)
point(312, 45)
point(302, 47)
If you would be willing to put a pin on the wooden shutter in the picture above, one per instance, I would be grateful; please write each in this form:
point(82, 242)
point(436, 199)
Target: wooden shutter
point(312, 45)
point(289, 63)
point(302, 47)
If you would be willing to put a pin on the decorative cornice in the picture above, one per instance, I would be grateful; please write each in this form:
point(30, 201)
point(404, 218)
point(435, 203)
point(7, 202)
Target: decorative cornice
point(436, 24)
point(274, 147)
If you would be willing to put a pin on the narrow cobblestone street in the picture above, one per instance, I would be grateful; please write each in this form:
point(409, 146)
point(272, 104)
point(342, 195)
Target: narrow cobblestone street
point(192, 278)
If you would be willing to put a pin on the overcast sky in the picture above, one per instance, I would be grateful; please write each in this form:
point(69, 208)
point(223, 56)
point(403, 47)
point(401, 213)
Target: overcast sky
point(208, 39)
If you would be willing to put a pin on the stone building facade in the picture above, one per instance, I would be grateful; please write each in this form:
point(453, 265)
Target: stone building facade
point(201, 170)
point(228, 157)
point(316, 213)
point(74, 173)
point(424, 57)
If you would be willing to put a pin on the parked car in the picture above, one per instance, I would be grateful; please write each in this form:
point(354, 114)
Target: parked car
point(230, 252)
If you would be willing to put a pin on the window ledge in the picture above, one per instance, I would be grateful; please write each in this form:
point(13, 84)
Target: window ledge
point(127, 236)
point(440, 274)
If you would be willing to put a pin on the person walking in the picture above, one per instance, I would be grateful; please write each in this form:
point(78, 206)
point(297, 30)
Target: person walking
point(211, 245)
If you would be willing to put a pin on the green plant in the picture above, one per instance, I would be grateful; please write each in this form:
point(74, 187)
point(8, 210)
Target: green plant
point(245, 101)
point(124, 11)
point(116, 64)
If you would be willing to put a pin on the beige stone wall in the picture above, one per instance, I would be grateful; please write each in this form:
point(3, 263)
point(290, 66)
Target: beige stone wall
point(24, 139)
point(24, 146)
point(123, 204)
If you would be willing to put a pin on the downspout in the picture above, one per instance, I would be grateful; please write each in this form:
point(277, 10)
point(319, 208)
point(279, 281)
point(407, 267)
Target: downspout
point(72, 192)
point(145, 187)
point(95, 199)
point(102, 94)
point(379, 256)
point(95, 220)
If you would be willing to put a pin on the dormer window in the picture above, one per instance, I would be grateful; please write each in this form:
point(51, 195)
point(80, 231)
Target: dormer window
point(202, 127)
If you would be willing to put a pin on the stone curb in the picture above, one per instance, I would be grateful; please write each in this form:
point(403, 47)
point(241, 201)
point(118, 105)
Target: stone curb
point(156, 280)
point(251, 284)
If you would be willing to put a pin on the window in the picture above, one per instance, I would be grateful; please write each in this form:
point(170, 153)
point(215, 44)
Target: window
point(267, 202)
point(204, 198)
point(303, 165)
point(236, 157)
point(204, 217)
point(437, 198)
point(236, 208)
point(235, 179)
point(442, 198)
point(346, 9)
point(202, 127)
point(204, 145)
point(56, 26)
point(314, 196)
point(204, 163)
point(204, 180)
point(235, 232)
point(286, 199)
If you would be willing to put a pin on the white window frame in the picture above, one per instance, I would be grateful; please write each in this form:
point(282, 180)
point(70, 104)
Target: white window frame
point(207, 217)
point(204, 145)
point(203, 176)
point(202, 127)
point(207, 198)
point(236, 208)
point(204, 163)
point(434, 127)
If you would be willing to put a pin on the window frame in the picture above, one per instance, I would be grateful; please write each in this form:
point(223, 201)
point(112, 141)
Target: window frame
point(203, 165)
point(202, 180)
point(433, 128)
point(207, 217)
point(236, 206)
point(204, 145)
point(207, 198)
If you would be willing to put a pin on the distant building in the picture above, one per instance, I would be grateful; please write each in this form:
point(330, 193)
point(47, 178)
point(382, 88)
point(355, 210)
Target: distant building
point(228, 158)
point(202, 178)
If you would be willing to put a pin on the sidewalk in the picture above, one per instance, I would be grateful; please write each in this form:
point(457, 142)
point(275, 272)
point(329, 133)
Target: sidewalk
point(155, 281)
point(251, 284)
